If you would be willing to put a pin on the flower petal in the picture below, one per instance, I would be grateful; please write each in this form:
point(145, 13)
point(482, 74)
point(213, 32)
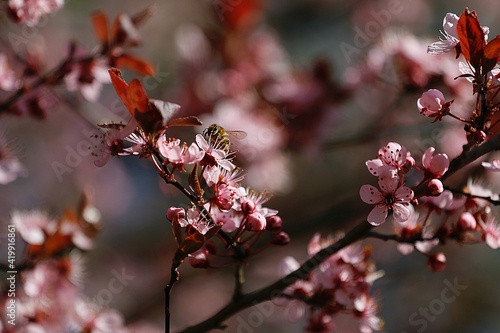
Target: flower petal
point(378, 215)
point(370, 195)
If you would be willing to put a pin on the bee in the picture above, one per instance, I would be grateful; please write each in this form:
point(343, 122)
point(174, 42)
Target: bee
point(218, 137)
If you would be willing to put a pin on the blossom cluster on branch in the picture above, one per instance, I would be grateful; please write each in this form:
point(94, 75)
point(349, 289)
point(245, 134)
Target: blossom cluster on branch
point(247, 89)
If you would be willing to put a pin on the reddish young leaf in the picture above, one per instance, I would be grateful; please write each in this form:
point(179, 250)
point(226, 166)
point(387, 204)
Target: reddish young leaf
point(471, 37)
point(491, 54)
point(121, 88)
point(135, 64)
point(100, 23)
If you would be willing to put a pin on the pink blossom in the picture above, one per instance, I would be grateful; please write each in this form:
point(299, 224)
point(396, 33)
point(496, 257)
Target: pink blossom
point(177, 153)
point(32, 225)
point(29, 11)
point(467, 221)
point(393, 197)
point(392, 156)
point(491, 233)
point(445, 201)
point(435, 165)
point(367, 314)
point(230, 220)
point(492, 166)
point(432, 104)
point(214, 160)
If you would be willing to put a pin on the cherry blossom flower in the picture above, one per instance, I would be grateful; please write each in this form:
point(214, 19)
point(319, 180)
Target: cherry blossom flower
point(433, 105)
point(491, 232)
point(435, 165)
point(214, 160)
point(393, 198)
point(32, 225)
point(450, 36)
point(29, 12)
point(392, 156)
point(492, 166)
point(445, 201)
point(178, 154)
point(367, 314)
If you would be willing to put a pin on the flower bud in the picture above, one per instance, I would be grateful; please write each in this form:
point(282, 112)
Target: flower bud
point(274, 223)
point(281, 238)
point(434, 187)
point(437, 262)
point(248, 207)
point(467, 221)
point(256, 222)
point(431, 103)
point(199, 259)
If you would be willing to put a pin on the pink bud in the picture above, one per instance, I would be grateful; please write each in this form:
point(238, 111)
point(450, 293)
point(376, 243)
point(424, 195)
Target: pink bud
point(437, 262)
point(274, 223)
point(467, 221)
point(434, 187)
point(281, 238)
point(256, 222)
point(248, 207)
point(199, 259)
point(431, 103)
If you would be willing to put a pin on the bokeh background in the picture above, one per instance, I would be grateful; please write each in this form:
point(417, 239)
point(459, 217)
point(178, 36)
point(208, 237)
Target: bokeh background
point(316, 178)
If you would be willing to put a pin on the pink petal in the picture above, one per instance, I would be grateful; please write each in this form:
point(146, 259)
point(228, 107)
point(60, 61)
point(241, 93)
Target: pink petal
point(403, 194)
point(427, 157)
point(440, 164)
point(374, 166)
point(388, 182)
point(370, 195)
point(378, 215)
point(401, 212)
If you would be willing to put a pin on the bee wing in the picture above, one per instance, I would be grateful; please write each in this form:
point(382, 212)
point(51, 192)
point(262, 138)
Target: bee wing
point(240, 135)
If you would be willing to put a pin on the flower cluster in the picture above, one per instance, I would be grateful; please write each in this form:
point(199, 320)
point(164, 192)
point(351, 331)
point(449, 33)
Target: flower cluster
point(49, 295)
point(340, 285)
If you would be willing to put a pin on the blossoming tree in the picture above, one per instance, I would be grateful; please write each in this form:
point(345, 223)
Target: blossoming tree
point(222, 222)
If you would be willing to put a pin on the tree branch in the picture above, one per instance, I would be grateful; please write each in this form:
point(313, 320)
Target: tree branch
point(274, 289)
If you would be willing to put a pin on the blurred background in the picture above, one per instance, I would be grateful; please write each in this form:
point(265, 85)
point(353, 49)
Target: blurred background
point(318, 86)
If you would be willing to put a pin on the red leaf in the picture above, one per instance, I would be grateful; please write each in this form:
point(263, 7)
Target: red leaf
point(491, 54)
point(135, 64)
point(238, 15)
point(121, 88)
point(471, 37)
point(100, 23)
